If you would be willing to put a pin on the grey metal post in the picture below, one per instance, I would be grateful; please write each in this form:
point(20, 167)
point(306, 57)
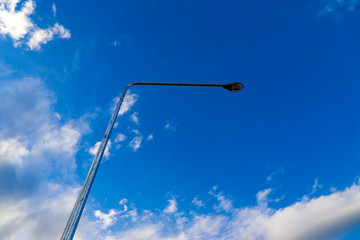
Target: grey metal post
point(78, 208)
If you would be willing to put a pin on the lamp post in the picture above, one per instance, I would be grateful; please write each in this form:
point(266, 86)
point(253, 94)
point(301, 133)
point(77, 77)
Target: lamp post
point(78, 208)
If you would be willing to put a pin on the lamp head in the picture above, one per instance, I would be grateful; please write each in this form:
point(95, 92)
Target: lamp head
point(234, 87)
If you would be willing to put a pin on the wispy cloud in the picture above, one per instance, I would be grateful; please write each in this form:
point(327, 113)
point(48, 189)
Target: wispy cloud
point(171, 125)
point(150, 137)
point(333, 5)
point(135, 143)
point(5, 70)
point(272, 175)
point(123, 40)
point(316, 186)
point(53, 7)
point(120, 137)
point(262, 197)
point(135, 117)
point(18, 25)
point(197, 202)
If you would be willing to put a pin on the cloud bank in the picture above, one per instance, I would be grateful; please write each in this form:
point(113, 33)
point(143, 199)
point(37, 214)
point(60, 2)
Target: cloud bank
point(35, 146)
point(325, 217)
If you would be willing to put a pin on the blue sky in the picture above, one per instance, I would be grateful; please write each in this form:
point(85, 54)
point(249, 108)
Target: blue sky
point(277, 160)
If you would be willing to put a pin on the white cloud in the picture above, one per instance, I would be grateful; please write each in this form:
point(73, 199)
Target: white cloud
point(324, 217)
point(61, 140)
point(108, 219)
point(136, 143)
point(20, 28)
point(42, 36)
point(120, 138)
point(12, 151)
point(35, 130)
point(93, 150)
point(171, 207)
point(135, 117)
point(14, 23)
point(128, 102)
point(150, 137)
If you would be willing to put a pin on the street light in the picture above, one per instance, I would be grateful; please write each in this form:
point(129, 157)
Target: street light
point(78, 208)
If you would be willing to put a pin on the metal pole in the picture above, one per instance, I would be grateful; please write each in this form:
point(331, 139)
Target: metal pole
point(78, 208)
